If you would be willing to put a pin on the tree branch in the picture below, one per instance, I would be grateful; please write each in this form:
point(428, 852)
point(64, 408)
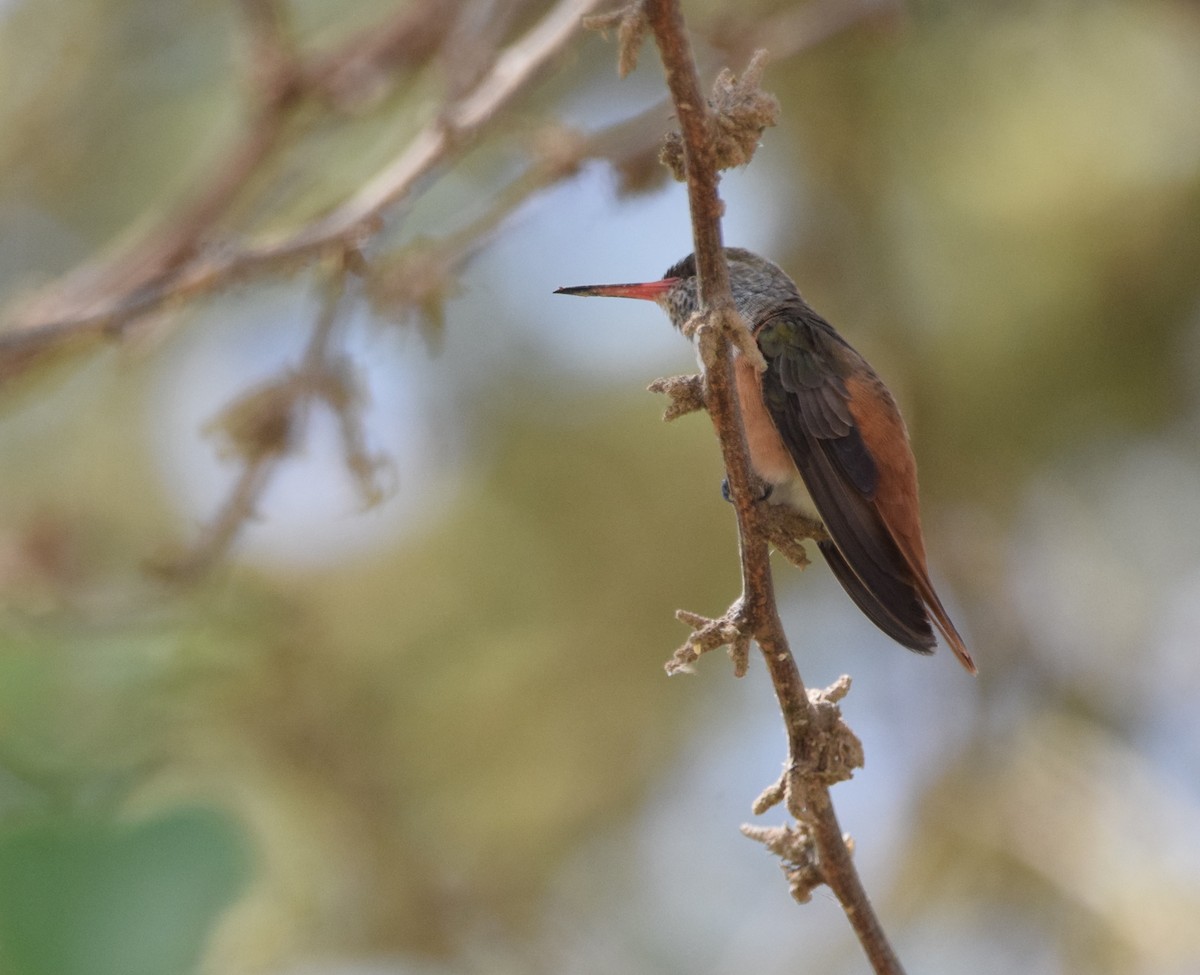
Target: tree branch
point(805, 784)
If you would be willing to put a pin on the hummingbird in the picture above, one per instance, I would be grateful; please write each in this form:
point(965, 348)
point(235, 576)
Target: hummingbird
point(823, 433)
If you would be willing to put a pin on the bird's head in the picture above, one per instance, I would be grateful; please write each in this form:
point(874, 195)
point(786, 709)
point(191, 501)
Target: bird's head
point(756, 284)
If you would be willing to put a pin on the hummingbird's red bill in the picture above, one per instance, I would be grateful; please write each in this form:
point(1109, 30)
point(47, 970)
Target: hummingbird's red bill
point(649, 290)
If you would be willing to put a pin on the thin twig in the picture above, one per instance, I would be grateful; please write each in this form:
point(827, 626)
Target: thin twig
point(806, 790)
point(264, 425)
point(417, 279)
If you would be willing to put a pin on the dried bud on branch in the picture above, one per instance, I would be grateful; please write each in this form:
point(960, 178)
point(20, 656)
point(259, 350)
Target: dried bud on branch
point(686, 394)
point(739, 112)
point(796, 848)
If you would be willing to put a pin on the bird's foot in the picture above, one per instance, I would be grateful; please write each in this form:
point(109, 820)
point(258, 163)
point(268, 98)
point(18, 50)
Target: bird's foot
point(766, 491)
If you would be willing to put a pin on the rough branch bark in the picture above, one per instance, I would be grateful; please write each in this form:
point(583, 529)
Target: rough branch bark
point(805, 783)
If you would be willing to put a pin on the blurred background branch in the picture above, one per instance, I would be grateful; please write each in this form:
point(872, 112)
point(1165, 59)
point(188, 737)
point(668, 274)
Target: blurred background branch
point(265, 424)
point(168, 266)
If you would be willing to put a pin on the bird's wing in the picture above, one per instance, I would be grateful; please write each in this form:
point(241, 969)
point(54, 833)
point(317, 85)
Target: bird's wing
point(879, 425)
point(805, 390)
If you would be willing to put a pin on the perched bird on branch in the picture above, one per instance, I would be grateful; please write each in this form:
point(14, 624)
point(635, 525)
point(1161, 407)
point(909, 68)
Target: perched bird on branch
point(823, 433)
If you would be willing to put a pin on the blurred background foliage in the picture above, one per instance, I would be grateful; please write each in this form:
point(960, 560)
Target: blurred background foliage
point(434, 736)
